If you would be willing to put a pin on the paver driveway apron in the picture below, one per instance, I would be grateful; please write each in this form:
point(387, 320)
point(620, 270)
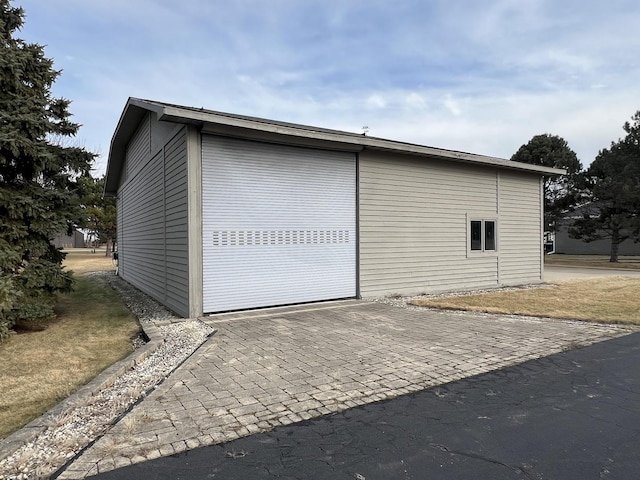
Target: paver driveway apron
point(270, 368)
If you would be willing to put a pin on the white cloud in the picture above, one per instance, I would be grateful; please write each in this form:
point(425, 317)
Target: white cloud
point(452, 105)
point(474, 76)
point(415, 101)
point(376, 101)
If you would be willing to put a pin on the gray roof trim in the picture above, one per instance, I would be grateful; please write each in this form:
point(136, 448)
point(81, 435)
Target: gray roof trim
point(135, 109)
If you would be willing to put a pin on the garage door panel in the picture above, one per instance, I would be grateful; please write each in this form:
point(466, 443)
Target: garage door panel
point(319, 276)
point(278, 224)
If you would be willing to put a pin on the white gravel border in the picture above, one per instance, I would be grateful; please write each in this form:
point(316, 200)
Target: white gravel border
point(78, 421)
point(403, 301)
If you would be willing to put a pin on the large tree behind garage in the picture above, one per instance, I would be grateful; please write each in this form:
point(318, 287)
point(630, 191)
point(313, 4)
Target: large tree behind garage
point(611, 193)
point(560, 192)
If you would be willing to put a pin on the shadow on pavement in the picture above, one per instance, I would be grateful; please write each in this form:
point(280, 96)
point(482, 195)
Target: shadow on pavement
point(573, 415)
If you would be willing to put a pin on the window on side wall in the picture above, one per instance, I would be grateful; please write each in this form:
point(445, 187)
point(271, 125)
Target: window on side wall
point(482, 236)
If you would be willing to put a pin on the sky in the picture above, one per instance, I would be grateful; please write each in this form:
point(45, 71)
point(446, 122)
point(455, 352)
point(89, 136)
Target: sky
point(468, 75)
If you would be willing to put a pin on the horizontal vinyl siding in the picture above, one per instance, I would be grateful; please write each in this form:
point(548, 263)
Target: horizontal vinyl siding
point(413, 225)
point(139, 148)
point(176, 227)
point(143, 229)
point(152, 214)
point(520, 228)
point(119, 233)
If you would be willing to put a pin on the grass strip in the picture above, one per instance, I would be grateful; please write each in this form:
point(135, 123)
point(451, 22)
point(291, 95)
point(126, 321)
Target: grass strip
point(606, 299)
point(92, 331)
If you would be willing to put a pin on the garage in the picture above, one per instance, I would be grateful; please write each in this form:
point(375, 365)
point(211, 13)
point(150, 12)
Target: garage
point(278, 224)
point(220, 212)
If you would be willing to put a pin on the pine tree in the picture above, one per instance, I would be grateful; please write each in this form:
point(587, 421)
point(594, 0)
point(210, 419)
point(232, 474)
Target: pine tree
point(98, 211)
point(37, 177)
point(611, 193)
point(560, 191)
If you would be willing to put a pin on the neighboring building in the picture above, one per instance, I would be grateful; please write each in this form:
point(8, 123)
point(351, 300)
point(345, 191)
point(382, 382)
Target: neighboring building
point(571, 246)
point(220, 212)
point(564, 244)
point(62, 240)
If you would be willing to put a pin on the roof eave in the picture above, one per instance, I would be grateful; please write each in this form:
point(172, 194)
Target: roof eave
point(180, 115)
point(136, 108)
point(133, 112)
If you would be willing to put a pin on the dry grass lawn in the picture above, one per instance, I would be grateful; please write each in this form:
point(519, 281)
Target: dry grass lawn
point(606, 299)
point(82, 260)
point(93, 330)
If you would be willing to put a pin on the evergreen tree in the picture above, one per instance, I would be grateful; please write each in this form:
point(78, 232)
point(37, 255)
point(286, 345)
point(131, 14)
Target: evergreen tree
point(37, 177)
point(98, 212)
point(559, 191)
point(611, 193)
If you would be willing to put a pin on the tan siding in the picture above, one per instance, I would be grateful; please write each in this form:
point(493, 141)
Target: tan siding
point(413, 225)
point(520, 228)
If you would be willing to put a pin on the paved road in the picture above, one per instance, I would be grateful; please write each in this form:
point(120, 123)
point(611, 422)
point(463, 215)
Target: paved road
point(573, 415)
point(274, 368)
point(554, 273)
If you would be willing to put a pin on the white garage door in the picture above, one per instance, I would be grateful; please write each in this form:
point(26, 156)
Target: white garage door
point(278, 224)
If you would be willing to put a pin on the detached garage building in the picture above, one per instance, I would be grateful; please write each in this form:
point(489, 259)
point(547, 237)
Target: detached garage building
point(220, 212)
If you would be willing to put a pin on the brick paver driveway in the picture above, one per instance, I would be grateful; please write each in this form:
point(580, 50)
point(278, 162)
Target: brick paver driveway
point(270, 368)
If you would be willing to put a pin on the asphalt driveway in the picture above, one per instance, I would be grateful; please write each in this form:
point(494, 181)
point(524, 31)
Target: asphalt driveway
point(571, 416)
point(273, 368)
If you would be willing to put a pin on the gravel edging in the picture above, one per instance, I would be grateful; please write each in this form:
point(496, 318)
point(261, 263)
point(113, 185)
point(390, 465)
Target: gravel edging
point(45, 447)
point(404, 302)
point(51, 441)
point(105, 379)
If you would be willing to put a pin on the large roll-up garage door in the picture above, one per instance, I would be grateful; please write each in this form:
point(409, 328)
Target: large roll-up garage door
point(278, 224)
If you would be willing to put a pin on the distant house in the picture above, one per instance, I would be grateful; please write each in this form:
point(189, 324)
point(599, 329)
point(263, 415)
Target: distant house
point(220, 212)
point(62, 240)
point(564, 244)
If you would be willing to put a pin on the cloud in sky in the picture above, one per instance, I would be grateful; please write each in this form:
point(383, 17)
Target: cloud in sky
point(482, 77)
